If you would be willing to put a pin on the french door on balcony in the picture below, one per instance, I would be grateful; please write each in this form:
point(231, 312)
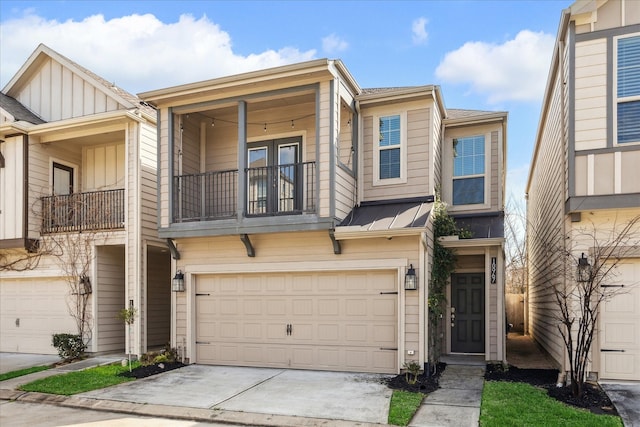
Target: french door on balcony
point(273, 177)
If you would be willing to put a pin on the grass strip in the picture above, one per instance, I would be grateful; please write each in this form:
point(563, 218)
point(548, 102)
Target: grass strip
point(21, 372)
point(80, 381)
point(520, 404)
point(403, 406)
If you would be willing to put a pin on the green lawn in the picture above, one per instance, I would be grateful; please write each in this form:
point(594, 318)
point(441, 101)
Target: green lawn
point(21, 372)
point(402, 407)
point(80, 381)
point(520, 404)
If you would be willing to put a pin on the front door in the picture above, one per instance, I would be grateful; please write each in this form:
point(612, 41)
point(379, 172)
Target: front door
point(272, 177)
point(467, 313)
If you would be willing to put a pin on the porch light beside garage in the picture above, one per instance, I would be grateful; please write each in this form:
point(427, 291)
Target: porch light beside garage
point(410, 279)
point(584, 269)
point(177, 284)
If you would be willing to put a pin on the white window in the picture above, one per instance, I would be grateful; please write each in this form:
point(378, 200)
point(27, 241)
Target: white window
point(389, 147)
point(469, 170)
point(627, 90)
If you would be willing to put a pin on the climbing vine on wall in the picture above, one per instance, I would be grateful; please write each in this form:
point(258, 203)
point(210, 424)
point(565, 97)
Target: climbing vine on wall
point(444, 261)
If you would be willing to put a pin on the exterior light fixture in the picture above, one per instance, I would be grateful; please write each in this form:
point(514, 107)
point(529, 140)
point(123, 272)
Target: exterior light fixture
point(583, 274)
point(84, 285)
point(410, 279)
point(177, 284)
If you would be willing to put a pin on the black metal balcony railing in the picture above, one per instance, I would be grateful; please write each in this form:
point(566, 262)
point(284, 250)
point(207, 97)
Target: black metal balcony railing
point(96, 210)
point(271, 190)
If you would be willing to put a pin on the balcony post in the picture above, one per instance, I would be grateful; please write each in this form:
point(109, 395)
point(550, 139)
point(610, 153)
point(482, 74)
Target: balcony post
point(242, 159)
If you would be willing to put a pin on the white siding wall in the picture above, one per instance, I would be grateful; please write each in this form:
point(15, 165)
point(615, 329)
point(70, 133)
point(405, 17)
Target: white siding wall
point(57, 93)
point(12, 189)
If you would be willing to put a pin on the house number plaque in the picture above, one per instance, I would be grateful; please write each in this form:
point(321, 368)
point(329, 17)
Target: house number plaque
point(494, 269)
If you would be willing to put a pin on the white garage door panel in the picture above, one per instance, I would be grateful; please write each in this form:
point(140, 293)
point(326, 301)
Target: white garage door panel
point(620, 332)
point(31, 311)
point(338, 321)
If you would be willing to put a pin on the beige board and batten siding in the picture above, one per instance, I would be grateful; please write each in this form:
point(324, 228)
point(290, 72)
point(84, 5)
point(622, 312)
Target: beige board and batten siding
point(149, 181)
point(291, 252)
point(56, 93)
point(109, 289)
point(415, 152)
point(12, 215)
point(545, 223)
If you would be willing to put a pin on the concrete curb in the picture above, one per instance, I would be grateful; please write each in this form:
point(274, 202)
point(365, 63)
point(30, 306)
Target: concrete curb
point(177, 412)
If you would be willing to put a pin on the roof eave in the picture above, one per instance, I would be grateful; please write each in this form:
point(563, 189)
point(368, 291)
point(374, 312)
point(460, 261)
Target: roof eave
point(476, 119)
point(299, 69)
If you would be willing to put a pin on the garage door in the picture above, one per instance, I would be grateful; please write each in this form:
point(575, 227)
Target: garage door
point(620, 332)
point(30, 312)
point(344, 321)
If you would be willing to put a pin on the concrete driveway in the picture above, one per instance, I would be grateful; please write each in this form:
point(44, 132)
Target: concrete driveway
point(626, 397)
point(315, 394)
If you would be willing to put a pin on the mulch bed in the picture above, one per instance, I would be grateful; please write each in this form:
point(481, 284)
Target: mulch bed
point(425, 384)
point(593, 399)
point(147, 371)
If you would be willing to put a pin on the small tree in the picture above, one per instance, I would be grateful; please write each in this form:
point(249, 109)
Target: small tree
point(128, 316)
point(581, 283)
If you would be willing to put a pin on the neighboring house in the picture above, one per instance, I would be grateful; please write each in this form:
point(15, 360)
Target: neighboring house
point(295, 203)
point(585, 173)
point(78, 156)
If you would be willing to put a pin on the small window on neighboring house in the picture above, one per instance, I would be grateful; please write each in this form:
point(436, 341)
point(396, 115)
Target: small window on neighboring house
point(628, 90)
point(468, 170)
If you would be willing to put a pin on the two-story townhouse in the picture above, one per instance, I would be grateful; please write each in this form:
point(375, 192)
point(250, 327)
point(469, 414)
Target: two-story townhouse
point(78, 160)
point(298, 209)
point(584, 182)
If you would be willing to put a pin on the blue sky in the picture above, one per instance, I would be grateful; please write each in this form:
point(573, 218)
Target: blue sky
point(486, 55)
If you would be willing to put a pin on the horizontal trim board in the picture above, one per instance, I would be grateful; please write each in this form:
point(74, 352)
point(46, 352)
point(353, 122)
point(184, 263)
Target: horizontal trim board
point(293, 267)
point(608, 33)
point(251, 226)
point(618, 148)
point(612, 201)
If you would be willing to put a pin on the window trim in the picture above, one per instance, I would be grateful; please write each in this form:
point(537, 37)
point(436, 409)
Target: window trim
point(614, 89)
point(73, 166)
point(377, 181)
point(486, 175)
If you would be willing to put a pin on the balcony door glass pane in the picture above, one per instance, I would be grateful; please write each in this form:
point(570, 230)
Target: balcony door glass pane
point(258, 180)
point(287, 159)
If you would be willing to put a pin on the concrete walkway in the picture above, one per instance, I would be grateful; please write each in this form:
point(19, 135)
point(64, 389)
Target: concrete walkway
point(456, 402)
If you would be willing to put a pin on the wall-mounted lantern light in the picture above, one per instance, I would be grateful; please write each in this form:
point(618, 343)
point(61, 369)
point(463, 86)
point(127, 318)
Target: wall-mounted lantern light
point(583, 274)
point(410, 279)
point(84, 285)
point(177, 284)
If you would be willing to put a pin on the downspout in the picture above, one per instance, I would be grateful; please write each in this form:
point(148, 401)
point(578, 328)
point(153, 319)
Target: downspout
point(357, 164)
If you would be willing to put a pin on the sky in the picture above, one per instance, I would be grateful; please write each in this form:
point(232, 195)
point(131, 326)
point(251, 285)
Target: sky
point(485, 55)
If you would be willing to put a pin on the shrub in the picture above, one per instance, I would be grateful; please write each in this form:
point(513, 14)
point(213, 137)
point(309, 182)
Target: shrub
point(70, 346)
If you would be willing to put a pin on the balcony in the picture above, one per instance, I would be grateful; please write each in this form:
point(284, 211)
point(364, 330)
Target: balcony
point(271, 191)
point(96, 210)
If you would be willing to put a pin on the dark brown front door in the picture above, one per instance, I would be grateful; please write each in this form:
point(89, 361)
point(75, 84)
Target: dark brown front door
point(467, 313)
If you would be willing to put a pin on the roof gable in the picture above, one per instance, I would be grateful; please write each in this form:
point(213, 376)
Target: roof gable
point(56, 88)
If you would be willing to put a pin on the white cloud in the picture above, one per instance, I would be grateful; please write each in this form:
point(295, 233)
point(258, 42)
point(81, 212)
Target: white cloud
point(333, 44)
point(419, 30)
point(515, 70)
point(137, 52)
